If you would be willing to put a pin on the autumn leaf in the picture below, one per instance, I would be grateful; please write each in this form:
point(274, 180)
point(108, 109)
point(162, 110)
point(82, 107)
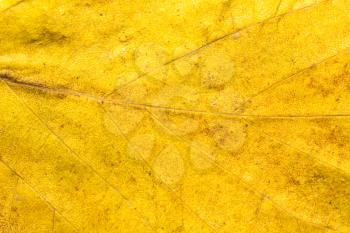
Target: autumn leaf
point(175, 116)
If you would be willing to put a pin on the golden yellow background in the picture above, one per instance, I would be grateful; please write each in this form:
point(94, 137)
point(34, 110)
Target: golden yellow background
point(174, 116)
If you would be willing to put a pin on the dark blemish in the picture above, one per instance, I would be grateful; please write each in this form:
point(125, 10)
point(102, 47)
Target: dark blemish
point(294, 181)
point(46, 37)
point(226, 5)
point(179, 229)
point(132, 179)
point(318, 177)
point(206, 132)
point(334, 135)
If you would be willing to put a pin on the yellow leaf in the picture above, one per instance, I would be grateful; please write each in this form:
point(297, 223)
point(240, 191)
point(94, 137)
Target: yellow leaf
point(175, 116)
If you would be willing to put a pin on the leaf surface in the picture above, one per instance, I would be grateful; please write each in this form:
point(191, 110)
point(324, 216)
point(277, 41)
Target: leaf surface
point(175, 116)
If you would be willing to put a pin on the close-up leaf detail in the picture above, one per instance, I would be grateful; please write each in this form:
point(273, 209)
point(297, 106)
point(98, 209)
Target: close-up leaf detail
point(175, 116)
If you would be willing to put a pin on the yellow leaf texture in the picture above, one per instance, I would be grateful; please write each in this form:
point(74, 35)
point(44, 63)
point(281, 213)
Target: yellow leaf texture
point(174, 116)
